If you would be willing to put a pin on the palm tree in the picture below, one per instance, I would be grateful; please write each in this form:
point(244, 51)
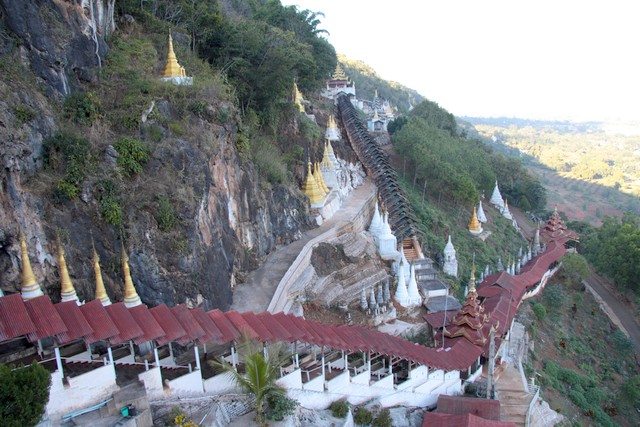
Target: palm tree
point(259, 376)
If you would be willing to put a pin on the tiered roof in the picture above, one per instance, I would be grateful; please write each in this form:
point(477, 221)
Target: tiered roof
point(555, 229)
point(470, 319)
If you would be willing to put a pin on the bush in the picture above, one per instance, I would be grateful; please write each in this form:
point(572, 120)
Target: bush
point(132, 155)
point(24, 394)
point(280, 406)
point(110, 208)
point(539, 311)
point(621, 343)
point(383, 419)
point(23, 114)
point(165, 214)
point(554, 297)
point(339, 408)
point(71, 154)
point(362, 416)
point(82, 108)
point(630, 390)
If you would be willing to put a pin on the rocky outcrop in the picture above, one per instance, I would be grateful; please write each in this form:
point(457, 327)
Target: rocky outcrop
point(227, 216)
point(62, 40)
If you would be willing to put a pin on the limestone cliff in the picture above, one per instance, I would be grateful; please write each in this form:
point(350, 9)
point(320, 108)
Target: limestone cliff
point(227, 217)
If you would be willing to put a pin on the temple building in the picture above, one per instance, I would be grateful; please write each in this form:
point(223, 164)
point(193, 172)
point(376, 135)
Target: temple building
point(471, 319)
point(475, 227)
point(555, 229)
point(376, 124)
point(481, 215)
point(173, 71)
point(339, 84)
point(496, 198)
point(332, 133)
point(450, 265)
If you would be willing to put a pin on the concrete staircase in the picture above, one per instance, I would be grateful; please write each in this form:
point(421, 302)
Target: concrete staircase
point(514, 399)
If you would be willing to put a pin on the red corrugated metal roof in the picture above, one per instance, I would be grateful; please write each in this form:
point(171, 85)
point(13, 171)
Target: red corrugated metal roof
point(439, 319)
point(276, 329)
point(128, 329)
point(151, 329)
point(97, 317)
point(212, 333)
point(457, 405)
point(45, 317)
point(241, 324)
point(190, 325)
point(14, 318)
point(229, 331)
point(286, 323)
point(169, 324)
point(77, 325)
point(435, 419)
point(257, 326)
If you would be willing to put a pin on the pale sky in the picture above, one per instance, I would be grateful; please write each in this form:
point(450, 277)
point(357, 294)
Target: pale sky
point(560, 59)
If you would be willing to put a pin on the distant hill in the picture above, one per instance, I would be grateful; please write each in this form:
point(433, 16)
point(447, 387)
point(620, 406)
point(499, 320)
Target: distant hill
point(367, 81)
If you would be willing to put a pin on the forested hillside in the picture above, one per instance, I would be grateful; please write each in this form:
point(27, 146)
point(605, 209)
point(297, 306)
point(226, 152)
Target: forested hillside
point(368, 81)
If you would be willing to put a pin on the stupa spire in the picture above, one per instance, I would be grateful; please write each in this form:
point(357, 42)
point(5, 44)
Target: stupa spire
point(131, 298)
point(481, 215)
point(339, 73)
point(30, 287)
point(101, 292)
point(311, 190)
point(67, 291)
point(472, 278)
point(475, 227)
point(172, 67)
point(450, 265)
point(496, 197)
point(318, 174)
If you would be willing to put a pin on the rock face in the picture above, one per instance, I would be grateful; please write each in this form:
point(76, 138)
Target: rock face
point(227, 217)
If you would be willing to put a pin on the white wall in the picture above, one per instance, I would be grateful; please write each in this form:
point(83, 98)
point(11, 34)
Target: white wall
point(152, 380)
point(188, 384)
point(292, 380)
point(84, 390)
point(362, 378)
point(221, 383)
point(316, 384)
point(338, 383)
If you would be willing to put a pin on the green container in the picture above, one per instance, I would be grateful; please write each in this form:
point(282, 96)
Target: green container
point(124, 411)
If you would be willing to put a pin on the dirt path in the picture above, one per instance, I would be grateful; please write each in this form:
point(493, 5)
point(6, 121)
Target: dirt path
point(256, 293)
point(622, 315)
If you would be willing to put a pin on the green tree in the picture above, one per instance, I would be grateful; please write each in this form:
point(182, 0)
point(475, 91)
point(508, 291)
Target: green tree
point(575, 267)
point(24, 393)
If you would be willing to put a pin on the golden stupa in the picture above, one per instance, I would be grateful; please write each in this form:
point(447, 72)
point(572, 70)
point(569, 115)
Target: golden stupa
point(30, 287)
point(474, 224)
point(310, 188)
point(131, 298)
point(101, 292)
point(318, 175)
point(67, 291)
point(172, 68)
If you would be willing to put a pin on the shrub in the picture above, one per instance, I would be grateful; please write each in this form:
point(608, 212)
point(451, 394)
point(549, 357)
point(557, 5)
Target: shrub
point(268, 160)
point(23, 114)
point(197, 107)
point(630, 390)
point(339, 408)
point(309, 129)
point(539, 311)
point(24, 394)
point(132, 155)
point(280, 406)
point(383, 419)
point(165, 214)
point(71, 154)
point(362, 416)
point(620, 342)
point(554, 297)
point(82, 108)
point(110, 208)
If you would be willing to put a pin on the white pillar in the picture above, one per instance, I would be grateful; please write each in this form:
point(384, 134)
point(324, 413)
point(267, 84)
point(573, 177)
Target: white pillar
point(59, 361)
point(297, 361)
point(323, 365)
point(110, 355)
point(233, 356)
point(173, 360)
point(197, 353)
point(132, 350)
point(155, 355)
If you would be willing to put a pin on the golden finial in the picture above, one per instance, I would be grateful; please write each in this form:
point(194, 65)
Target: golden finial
point(474, 224)
point(472, 278)
point(131, 298)
point(172, 68)
point(332, 123)
point(310, 187)
point(30, 288)
point(326, 160)
point(320, 179)
point(339, 73)
point(67, 291)
point(297, 97)
point(101, 292)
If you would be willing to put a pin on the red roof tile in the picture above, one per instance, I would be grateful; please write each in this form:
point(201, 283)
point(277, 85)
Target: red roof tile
point(173, 330)
point(285, 322)
point(45, 317)
point(97, 317)
point(77, 325)
point(276, 329)
point(229, 331)
point(128, 329)
point(258, 326)
point(14, 318)
point(458, 405)
point(212, 333)
point(151, 329)
point(188, 323)
point(241, 325)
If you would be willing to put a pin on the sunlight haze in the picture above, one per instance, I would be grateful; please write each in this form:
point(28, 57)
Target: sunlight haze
point(543, 59)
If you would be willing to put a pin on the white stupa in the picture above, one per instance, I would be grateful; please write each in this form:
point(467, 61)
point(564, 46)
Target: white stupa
point(481, 216)
point(402, 295)
point(450, 265)
point(387, 242)
point(496, 198)
point(412, 289)
point(376, 227)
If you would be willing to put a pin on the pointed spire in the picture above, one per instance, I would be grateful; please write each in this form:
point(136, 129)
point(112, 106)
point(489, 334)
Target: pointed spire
point(30, 287)
point(172, 67)
point(496, 197)
point(339, 73)
point(505, 211)
point(475, 227)
point(297, 97)
point(499, 265)
point(372, 300)
point(67, 291)
point(320, 178)
point(472, 278)
point(401, 291)
point(450, 265)
point(481, 216)
point(101, 292)
point(327, 163)
point(311, 190)
point(412, 288)
point(386, 294)
point(363, 301)
point(380, 296)
point(536, 242)
point(131, 298)
point(376, 226)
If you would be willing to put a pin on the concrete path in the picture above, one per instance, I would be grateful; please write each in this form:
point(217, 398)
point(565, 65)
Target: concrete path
point(514, 400)
point(256, 293)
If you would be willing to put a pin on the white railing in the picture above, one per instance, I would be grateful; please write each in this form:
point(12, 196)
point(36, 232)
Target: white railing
point(535, 389)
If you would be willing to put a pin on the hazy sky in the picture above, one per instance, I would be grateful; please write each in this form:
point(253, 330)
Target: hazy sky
point(556, 59)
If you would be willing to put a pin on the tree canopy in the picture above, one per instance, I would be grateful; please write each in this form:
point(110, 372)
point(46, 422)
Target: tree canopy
point(24, 393)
